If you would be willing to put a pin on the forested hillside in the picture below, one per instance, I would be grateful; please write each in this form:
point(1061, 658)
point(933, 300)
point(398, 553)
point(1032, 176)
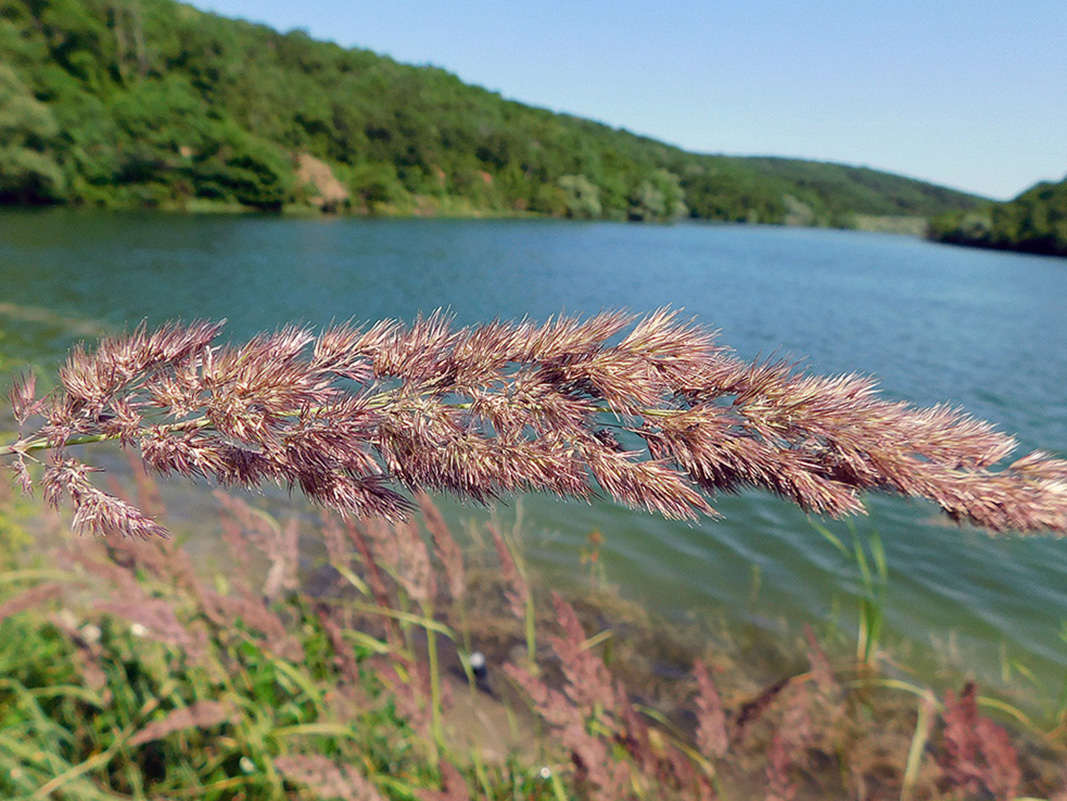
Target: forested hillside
point(1034, 222)
point(125, 103)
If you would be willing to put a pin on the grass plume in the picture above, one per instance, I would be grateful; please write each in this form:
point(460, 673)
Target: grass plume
point(649, 411)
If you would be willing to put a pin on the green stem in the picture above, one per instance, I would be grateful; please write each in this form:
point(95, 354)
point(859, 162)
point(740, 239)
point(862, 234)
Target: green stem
point(24, 446)
point(436, 712)
point(42, 443)
point(531, 634)
point(33, 444)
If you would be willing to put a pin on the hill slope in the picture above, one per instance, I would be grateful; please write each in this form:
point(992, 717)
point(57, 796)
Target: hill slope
point(153, 103)
point(1034, 222)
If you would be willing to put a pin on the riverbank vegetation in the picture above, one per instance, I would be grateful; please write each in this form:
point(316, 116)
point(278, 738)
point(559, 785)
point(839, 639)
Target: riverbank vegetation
point(1034, 222)
point(329, 659)
point(332, 658)
point(152, 103)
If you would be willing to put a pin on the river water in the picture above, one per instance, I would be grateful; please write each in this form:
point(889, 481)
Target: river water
point(979, 329)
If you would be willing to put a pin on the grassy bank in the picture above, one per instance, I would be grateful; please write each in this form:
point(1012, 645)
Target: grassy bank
point(330, 660)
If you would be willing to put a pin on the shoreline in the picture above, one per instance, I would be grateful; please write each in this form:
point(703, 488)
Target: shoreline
point(905, 225)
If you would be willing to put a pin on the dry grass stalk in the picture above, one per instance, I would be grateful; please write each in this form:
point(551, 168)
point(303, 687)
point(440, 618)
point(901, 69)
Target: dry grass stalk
point(590, 755)
point(414, 572)
point(326, 779)
point(117, 565)
point(445, 546)
point(592, 717)
point(333, 537)
point(780, 786)
point(822, 672)
point(618, 746)
point(977, 757)
point(788, 746)
point(660, 420)
point(408, 681)
point(453, 786)
point(203, 714)
point(225, 610)
point(374, 576)
point(344, 660)
point(589, 684)
point(517, 589)
point(161, 559)
point(711, 736)
point(30, 598)
point(155, 619)
point(279, 543)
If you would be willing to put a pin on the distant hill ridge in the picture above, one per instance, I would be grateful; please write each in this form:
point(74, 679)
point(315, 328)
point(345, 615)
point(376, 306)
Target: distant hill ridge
point(133, 103)
point(1034, 222)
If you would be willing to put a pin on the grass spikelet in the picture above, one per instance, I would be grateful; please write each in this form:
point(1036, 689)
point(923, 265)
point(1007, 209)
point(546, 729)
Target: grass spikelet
point(588, 683)
point(976, 755)
point(203, 714)
point(23, 397)
point(326, 779)
point(712, 739)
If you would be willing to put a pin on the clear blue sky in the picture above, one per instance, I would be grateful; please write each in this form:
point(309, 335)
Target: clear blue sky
point(967, 93)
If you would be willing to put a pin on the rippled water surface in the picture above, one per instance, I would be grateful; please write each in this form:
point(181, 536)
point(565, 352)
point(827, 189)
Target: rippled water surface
point(984, 330)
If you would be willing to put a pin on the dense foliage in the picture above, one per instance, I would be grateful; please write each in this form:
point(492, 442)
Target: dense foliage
point(153, 103)
point(333, 661)
point(1034, 222)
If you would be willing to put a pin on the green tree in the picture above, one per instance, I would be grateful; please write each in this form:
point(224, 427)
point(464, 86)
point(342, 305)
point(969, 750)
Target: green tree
point(376, 185)
point(658, 197)
point(28, 170)
point(244, 169)
point(717, 194)
point(583, 197)
point(78, 39)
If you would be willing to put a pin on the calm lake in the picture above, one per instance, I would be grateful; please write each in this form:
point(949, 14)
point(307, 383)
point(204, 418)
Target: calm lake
point(983, 330)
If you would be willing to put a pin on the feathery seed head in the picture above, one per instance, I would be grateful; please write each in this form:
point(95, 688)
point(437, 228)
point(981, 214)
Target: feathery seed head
point(352, 414)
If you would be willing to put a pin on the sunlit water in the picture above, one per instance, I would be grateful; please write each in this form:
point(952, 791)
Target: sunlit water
point(987, 331)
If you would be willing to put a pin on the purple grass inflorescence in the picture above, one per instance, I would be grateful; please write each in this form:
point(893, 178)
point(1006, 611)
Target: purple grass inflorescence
point(649, 411)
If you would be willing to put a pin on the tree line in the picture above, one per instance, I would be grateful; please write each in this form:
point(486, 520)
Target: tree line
point(1034, 222)
point(152, 103)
